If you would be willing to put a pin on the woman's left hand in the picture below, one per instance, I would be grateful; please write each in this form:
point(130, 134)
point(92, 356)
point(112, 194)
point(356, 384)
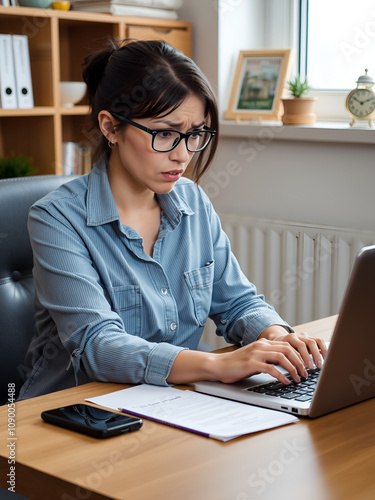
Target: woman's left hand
point(302, 342)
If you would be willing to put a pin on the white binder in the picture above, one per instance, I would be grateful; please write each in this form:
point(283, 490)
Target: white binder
point(8, 97)
point(22, 68)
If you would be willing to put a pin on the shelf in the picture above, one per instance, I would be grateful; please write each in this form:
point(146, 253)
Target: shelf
point(75, 15)
point(339, 132)
point(24, 11)
point(32, 136)
point(36, 111)
point(75, 110)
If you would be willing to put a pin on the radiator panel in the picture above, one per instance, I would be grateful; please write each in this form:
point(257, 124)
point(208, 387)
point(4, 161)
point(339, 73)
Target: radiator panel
point(302, 269)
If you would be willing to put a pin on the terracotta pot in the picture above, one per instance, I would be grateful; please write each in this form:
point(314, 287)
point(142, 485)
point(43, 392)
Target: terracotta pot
point(299, 111)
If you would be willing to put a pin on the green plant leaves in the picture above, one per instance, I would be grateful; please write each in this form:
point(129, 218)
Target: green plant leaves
point(298, 88)
point(16, 166)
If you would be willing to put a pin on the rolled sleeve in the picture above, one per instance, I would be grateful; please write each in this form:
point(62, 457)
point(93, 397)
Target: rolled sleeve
point(252, 326)
point(159, 364)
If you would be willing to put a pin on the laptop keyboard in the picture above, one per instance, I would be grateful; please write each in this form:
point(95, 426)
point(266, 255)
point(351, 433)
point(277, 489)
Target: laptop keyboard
point(303, 391)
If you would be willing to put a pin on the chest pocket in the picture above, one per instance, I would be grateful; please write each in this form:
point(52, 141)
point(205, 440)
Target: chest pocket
point(126, 300)
point(200, 283)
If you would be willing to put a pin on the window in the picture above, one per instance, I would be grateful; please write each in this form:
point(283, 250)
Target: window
point(333, 42)
point(337, 42)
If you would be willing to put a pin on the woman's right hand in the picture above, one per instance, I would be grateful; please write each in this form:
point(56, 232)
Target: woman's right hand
point(261, 356)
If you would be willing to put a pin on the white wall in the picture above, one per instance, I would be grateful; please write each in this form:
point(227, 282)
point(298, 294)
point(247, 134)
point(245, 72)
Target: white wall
point(203, 14)
point(319, 183)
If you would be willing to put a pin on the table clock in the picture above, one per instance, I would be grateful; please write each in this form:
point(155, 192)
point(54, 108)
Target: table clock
point(360, 102)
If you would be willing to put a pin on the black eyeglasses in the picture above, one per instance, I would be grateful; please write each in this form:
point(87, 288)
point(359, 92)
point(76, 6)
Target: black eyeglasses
point(164, 140)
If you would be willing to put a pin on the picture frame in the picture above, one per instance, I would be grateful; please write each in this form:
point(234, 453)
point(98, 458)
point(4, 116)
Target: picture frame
point(258, 84)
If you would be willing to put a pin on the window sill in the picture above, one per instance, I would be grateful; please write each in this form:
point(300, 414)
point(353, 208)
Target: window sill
point(319, 132)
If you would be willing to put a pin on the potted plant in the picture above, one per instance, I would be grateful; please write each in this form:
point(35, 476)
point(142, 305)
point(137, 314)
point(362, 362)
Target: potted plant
point(16, 166)
point(298, 109)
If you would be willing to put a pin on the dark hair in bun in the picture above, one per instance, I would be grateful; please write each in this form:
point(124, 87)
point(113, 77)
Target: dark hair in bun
point(146, 79)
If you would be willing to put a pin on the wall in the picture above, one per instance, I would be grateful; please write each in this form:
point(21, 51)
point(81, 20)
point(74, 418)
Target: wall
point(320, 183)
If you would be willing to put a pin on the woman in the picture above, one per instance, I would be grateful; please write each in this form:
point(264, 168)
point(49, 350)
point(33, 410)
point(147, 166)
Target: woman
point(130, 260)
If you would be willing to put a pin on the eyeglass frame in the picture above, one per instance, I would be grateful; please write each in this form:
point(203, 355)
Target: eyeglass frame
point(157, 131)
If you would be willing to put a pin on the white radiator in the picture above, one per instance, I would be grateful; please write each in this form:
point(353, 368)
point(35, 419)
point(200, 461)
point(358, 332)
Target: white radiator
point(301, 269)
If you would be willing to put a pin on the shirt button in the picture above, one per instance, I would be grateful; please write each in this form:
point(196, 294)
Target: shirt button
point(173, 326)
point(164, 291)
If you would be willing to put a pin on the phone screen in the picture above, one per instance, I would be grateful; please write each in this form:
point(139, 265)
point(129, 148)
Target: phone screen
point(91, 420)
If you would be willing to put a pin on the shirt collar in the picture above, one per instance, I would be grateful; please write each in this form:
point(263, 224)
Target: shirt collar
point(174, 206)
point(101, 207)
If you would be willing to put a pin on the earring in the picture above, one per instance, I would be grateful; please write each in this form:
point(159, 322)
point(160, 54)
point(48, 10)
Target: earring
point(111, 144)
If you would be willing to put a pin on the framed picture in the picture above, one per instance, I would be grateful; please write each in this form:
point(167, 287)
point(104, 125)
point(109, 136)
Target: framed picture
point(258, 84)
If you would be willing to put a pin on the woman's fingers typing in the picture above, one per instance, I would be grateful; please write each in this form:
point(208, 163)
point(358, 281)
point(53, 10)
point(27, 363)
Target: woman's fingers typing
point(311, 350)
point(262, 356)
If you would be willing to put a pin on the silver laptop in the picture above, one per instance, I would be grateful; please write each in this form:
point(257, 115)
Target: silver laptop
point(348, 373)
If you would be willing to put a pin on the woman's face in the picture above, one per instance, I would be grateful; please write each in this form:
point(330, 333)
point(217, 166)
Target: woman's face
point(136, 162)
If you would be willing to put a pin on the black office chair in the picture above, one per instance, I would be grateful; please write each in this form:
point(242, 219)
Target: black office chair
point(16, 282)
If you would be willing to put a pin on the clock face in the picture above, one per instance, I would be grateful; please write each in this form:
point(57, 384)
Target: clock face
point(361, 103)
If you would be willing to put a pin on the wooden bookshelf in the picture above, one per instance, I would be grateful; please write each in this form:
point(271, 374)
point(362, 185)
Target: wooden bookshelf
point(58, 42)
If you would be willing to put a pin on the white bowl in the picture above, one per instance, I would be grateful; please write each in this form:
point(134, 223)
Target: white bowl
point(71, 93)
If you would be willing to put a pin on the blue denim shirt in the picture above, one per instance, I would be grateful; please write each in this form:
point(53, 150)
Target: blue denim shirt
point(107, 311)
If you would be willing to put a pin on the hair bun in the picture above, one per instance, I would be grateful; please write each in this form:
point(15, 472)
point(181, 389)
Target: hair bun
point(95, 65)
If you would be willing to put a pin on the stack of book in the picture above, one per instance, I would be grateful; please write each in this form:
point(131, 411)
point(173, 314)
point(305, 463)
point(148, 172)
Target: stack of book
point(76, 158)
point(165, 9)
point(15, 73)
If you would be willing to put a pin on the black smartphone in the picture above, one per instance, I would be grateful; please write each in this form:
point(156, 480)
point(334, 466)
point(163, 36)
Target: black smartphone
point(91, 420)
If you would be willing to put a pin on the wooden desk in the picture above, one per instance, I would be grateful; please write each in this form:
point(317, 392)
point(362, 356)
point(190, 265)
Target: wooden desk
point(332, 457)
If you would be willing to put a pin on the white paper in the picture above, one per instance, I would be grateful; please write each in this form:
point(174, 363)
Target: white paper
point(208, 415)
